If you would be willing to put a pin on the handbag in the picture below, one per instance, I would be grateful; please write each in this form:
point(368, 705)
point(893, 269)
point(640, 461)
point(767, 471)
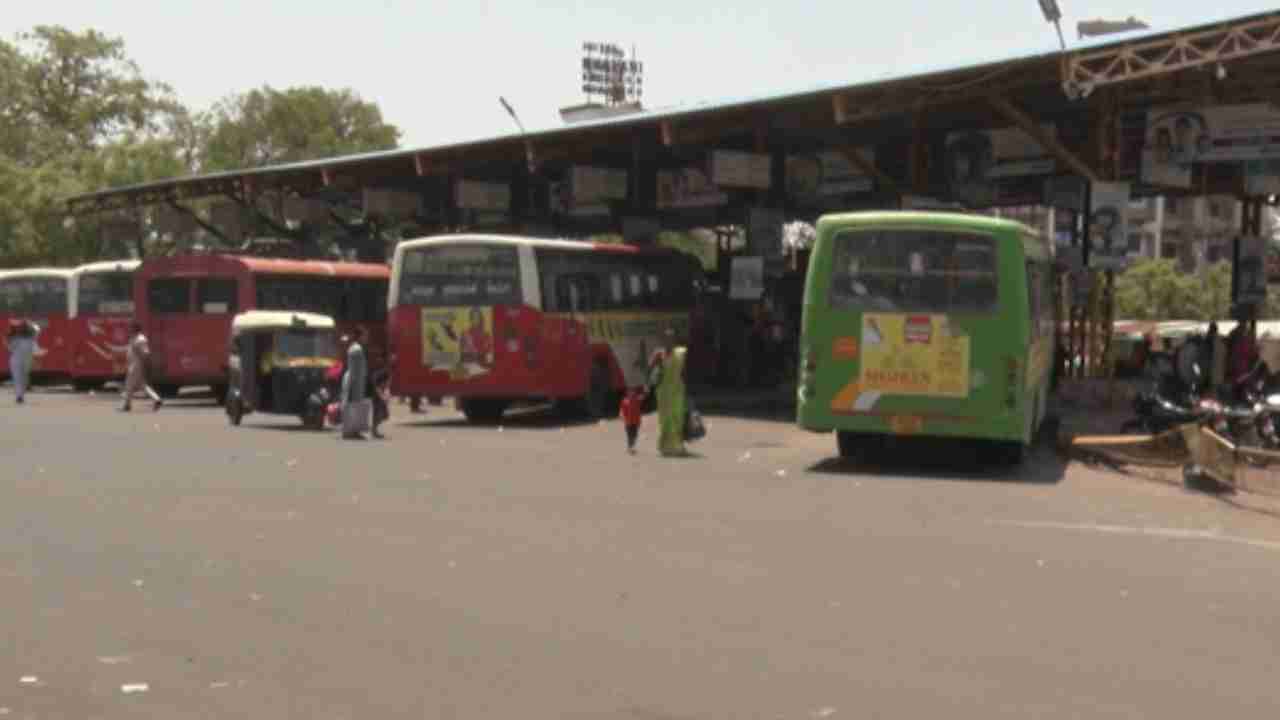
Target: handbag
point(694, 428)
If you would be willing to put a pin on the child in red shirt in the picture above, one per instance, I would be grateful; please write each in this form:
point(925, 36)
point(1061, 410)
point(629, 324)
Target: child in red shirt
point(631, 412)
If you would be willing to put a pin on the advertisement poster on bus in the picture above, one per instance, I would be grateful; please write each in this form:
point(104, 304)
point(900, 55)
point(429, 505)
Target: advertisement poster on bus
point(1222, 133)
point(914, 355)
point(458, 340)
point(688, 188)
point(826, 174)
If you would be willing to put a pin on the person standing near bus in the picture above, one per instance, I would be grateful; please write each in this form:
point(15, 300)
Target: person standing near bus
point(353, 387)
point(136, 375)
point(22, 348)
point(668, 374)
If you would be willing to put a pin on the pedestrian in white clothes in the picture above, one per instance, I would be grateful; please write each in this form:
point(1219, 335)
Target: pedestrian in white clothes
point(135, 378)
point(22, 348)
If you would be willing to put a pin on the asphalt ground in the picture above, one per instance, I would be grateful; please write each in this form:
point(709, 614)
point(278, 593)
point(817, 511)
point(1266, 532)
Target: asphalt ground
point(167, 565)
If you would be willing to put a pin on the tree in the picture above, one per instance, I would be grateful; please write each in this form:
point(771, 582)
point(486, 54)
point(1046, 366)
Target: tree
point(1157, 290)
point(267, 126)
point(74, 111)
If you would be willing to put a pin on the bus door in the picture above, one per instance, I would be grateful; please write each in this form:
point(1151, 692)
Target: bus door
point(216, 304)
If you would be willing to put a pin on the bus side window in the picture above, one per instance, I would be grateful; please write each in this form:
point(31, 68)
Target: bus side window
point(169, 296)
point(216, 296)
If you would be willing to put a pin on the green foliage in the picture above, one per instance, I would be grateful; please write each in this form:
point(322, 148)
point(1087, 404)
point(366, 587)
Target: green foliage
point(1158, 290)
point(77, 115)
point(266, 127)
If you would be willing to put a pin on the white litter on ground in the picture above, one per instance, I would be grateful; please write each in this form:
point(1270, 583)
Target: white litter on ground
point(134, 688)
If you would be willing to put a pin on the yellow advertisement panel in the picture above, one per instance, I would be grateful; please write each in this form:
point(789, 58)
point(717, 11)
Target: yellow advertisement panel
point(459, 340)
point(919, 355)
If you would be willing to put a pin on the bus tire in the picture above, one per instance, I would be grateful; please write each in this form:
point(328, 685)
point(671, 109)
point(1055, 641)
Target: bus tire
point(219, 393)
point(1014, 453)
point(849, 444)
point(168, 391)
point(483, 411)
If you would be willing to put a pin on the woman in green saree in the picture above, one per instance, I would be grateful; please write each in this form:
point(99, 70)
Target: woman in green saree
point(668, 370)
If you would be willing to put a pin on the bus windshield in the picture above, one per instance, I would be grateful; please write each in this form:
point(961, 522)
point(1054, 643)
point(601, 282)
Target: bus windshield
point(33, 296)
point(305, 344)
point(458, 275)
point(105, 294)
point(924, 271)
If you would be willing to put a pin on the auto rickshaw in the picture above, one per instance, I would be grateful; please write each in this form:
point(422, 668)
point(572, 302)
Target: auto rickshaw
point(278, 364)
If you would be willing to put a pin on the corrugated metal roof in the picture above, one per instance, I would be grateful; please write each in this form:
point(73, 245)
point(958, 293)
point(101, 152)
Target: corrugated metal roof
point(991, 62)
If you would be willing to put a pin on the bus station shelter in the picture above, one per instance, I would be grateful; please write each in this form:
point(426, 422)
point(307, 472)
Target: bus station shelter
point(1192, 111)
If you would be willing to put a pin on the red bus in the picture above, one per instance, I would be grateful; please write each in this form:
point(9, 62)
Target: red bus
point(101, 300)
point(41, 296)
point(186, 302)
point(493, 320)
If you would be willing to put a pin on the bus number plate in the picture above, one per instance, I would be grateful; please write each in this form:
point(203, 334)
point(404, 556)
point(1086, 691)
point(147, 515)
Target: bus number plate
point(906, 424)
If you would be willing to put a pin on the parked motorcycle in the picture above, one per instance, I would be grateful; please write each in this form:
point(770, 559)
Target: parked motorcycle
point(1171, 401)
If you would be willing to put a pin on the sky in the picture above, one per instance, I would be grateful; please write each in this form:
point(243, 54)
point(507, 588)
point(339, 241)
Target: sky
point(437, 69)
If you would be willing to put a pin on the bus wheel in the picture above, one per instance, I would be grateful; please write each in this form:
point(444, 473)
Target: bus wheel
point(483, 411)
point(168, 390)
point(1013, 453)
point(849, 444)
point(219, 393)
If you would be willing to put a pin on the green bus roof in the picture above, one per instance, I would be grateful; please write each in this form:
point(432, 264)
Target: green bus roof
point(922, 217)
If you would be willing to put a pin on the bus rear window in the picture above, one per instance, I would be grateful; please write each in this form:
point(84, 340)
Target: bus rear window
point(460, 275)
point(914, 271)
point(105, 294)
point(169, 296)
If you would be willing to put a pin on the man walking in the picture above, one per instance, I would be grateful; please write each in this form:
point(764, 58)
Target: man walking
point(354, 382)
point(22, 347)
point(136, 377)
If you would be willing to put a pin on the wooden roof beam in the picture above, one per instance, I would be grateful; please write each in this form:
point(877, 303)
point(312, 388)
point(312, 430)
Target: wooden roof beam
point(856, 159)
point(1027, 124)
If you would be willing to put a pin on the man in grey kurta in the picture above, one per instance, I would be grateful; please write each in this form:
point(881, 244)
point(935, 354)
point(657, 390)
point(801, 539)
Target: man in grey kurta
point(354, 381)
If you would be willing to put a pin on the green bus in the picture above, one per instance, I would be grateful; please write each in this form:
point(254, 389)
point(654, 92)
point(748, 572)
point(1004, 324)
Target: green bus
point(926, 324)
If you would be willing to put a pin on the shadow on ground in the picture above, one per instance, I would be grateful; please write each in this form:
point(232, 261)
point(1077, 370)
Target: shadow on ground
point(946, 459)
point(539, 417)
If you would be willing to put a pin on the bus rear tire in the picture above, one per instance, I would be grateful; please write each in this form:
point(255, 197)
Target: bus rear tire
point(168, 391)
point(84, 386)
point(483, 411)
point(1014, 453)
point(219, 393)
point(852, 445)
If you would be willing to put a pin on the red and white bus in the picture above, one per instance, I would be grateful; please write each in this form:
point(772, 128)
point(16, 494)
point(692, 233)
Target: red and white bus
point(101, 309)
point(41, 296)
point(492, 320)
point(186, 302)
